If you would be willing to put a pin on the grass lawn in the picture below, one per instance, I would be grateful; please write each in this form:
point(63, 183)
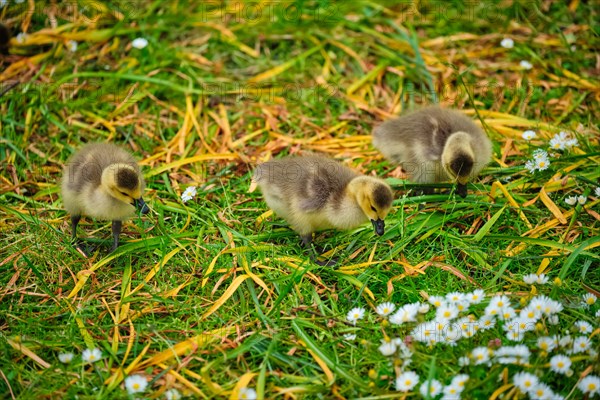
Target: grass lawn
point(214, 298)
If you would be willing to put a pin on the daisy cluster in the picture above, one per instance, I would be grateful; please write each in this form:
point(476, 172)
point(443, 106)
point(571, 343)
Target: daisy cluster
point(541, 159)
point(529, 335)
point(133, 383)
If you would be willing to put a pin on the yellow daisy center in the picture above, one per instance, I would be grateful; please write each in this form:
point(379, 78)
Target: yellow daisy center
point(560, 364)
point(447, 314)
point(407, 382)
point(592, 386)
point(527, 383)
point(136, 385)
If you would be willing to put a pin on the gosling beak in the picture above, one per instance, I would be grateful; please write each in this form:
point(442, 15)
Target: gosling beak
point(379, 226)
point(140, 204)
point(461, 190)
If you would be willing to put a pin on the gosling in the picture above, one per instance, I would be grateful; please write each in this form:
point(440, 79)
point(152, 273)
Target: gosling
point(434, 145)
point(313, 193)
point(104, 182)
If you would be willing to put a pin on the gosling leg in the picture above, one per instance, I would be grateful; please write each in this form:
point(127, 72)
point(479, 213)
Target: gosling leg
point(461, 190)
point(116, 231)
point(74, 222)
point(314, 251)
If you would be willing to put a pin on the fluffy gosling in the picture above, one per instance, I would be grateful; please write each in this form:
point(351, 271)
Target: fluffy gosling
point(313, 193)
point(103, 181)
point(434, 145)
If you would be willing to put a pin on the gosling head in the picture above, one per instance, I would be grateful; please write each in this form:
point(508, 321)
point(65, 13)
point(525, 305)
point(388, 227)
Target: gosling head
point(124, 183)
point(374, 197)
point(458, 160)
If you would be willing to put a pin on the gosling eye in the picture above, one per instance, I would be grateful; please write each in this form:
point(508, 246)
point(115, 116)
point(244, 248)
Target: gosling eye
point(373, 209)
point(124, 194)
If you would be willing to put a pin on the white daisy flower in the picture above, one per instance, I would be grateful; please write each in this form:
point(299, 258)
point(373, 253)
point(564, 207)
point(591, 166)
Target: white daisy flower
point(530, 279)
point(387, 348)
point(552, 307)
point(487, 322)
point(507, 43)
point(553, 320)
point(139, 43)
point(581, 199)
point(135, 384)
point(530, 314)
point(20, 38)
point(541, 391)
point(526, 64)
point(589, 299)
point(529, 134)
point(520, 351)
point(561, 141)
point(173, 394)
point(65, 358)
point(385, 309)
point(590, 385)
point(584, 327)
point(525, 381)
point(560, 364)
point(455, 297)
point(446, 312)
point(540, 154)
point(406, 381)
point(452, 392)
point(597, 315)
point(492, 310)
point(508, 360)
point(507, 313)
point(565, 341)
point(350, 337)
point(480, 355)
point(436, 301)
point(500, 301)
point(424, 308)
point(72, 46)
point(462, 306)
point(91, 355)
point(542, 279)
point(407, 313)
point(451, 335)
point(523, 325)
point(542, 164)
point(515, 335)
point(431, 388)
point(476, 296)
point(571, 200)
point(188, 194)
point(597, 191)
point(530, 166)
point(581, 344)
point(546, 344)
point(355, 314)
point(246, 393)
point(460, 380)
point(463, 361)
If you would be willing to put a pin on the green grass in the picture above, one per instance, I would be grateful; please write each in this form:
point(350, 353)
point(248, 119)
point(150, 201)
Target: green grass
point(257, 312)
